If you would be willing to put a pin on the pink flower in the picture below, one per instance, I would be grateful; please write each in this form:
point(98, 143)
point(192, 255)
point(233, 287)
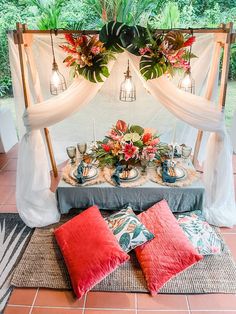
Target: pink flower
point(106, 147)
point(144, 50)
point(95, 50)
point(129, 151)
point(114, 135)
point(150, 130)
point(121, 126)
point(155, 141)
point(149, 153)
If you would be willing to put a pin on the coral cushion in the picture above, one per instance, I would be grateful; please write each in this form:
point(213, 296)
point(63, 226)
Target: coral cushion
point(169, 253)
point(89, 248)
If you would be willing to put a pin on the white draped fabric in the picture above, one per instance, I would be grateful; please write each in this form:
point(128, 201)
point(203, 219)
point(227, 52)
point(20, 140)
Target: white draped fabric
point(37, 205)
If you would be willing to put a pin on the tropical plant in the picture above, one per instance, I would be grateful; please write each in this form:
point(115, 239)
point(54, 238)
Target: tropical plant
point(129, 12)
point(169, 16)
point(49, 12)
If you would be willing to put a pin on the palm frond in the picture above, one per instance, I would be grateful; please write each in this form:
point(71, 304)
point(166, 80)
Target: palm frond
point(10, 248)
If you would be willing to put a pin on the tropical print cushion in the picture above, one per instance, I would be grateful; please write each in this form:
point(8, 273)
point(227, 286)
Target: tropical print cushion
point(201, 234)
point(128, 229)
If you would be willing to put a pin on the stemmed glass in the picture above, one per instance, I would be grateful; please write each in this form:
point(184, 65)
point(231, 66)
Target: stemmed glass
point(82, 148)
point(71, 152)
point(186, 152)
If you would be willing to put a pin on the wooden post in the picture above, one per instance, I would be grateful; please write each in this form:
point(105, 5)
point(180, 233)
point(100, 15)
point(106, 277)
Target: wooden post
point(19, 40)
point(209, 91)
point(225, 68)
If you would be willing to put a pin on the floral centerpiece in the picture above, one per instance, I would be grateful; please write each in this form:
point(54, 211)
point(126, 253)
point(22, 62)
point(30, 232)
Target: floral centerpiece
point(128, 145)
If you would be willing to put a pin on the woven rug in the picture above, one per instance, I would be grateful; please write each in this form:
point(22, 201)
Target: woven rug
point(14, 236)
point(42, 265)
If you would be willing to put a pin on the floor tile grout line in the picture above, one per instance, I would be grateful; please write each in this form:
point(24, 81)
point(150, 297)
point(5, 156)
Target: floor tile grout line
point(188, 305)
point(32, 306)
point(84, 304)
point(136, 303)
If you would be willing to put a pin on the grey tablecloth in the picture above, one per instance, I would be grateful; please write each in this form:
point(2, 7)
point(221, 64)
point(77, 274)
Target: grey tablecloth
point(106, 196)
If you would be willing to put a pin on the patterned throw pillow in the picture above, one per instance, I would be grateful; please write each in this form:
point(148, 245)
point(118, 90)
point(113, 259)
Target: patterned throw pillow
point(128, 229)
point(201, 234)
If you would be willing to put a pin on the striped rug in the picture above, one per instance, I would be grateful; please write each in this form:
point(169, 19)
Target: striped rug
point(14, 236)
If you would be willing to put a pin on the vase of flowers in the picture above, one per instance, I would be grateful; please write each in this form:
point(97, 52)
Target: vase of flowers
point(129, 145)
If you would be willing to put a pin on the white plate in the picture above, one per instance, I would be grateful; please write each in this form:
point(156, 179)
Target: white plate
point(180, 172)
point(133, 175)
point(93, 173)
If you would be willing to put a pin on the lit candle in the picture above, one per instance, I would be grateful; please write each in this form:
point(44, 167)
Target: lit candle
point(174, 135)
point(173, 142)
point(94, 131)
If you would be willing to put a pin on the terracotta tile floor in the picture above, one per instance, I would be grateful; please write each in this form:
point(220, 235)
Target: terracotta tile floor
point(46, 301)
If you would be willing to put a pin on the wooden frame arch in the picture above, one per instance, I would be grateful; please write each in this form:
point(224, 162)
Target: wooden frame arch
point(226, 36)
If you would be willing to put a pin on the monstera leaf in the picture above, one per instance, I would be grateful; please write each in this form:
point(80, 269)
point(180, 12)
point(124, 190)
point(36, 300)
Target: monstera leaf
point(137, 129)
point(133, 38)
point(152, 67)
point(110, 36)
point(96, 72)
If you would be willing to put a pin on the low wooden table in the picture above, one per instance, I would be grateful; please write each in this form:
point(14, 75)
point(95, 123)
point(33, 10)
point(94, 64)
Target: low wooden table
point(106, 196)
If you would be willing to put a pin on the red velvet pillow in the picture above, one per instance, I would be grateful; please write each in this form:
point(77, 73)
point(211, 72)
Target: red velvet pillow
point(169, 253)
point(90, 249)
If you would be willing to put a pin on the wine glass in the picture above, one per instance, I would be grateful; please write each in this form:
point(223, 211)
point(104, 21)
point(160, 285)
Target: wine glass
point(71, 152)
point(82, 148)
point(186, 152)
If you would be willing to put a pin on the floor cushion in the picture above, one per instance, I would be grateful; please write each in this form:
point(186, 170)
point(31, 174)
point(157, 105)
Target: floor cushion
point(90, 250)
point(201, 234)
point(169, 253)
point(128, 229)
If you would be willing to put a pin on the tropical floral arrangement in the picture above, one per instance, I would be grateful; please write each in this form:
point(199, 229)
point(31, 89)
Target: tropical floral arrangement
point(127, 145)
point(87, 56)
point(165, 54)
point(160, 53)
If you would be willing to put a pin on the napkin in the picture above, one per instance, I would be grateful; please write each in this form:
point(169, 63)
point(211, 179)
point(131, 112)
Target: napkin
point(116, 175)
point(79, 175)
point(165, 175)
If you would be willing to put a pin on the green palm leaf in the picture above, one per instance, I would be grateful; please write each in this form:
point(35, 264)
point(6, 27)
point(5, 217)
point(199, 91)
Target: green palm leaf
point(152, 67)
point(110, 36)
point(133, 38)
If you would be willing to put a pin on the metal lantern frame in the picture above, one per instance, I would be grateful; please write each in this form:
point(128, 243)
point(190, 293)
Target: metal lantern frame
point(61, 87)
point(125, 95)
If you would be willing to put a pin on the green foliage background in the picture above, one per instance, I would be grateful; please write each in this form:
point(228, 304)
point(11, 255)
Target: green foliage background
point(92, 14)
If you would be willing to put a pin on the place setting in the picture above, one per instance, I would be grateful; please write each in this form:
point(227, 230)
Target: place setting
point(82, 169)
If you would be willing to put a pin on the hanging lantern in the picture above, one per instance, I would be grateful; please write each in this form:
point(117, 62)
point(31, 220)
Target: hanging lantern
point(127, 87)
point(57, 81)
point(187, 83)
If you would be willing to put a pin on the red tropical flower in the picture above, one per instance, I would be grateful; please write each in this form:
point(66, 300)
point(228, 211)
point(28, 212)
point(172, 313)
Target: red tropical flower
point(70, 39)
point(106, 147)
point(121, 126)
point(147, 137)
point(189, 41)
